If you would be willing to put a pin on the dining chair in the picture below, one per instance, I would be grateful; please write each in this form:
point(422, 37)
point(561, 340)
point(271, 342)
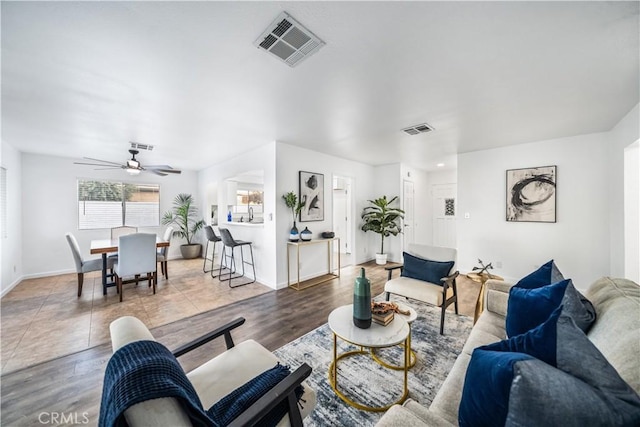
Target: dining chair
point(116, 232)
point(83, 265)
point(136, 256)
point(162, 255)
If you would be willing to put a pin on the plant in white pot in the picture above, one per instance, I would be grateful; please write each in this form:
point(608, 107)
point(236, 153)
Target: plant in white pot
point(383, 219)
point(185, 215)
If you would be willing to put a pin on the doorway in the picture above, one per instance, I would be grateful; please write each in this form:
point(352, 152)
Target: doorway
point(343, 217)
point(408, 198)
point(444, 214)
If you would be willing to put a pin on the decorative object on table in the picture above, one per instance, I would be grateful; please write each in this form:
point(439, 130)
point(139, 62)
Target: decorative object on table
point(291, 200)
point(184, 215)
point(328, 234)
point(381, 313)
point(383, 219)
point(531, 194)
point(229, 216)
point(312, 195)
point(483, 268)
point(362, 302)
point(305, 234)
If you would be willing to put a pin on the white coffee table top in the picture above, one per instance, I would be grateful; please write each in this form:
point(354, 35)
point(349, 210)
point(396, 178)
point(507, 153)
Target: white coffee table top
point(341, 323)
point(413, 315)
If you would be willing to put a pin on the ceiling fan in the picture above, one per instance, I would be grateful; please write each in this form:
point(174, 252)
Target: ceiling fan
point(132, 166)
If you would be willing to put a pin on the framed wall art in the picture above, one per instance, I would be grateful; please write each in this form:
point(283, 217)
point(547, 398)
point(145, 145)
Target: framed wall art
point(531, 194)
point(312, 193)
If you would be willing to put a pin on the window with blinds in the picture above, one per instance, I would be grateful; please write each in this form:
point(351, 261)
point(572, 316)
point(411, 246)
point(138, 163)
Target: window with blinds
point(108, 204)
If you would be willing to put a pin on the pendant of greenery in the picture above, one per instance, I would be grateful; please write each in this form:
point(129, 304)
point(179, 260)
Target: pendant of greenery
point(185, 215)
point(382, 218)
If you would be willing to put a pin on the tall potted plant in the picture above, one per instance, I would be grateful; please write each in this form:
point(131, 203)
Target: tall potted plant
point(185, 215)
point(291, 200)
point(383, 219)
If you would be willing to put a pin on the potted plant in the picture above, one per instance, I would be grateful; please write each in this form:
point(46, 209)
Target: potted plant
point(185, 215)
point(291, 200)
point(383, 219)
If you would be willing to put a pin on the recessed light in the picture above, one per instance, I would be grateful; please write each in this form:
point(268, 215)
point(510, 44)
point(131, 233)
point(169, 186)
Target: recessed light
point(440, 165)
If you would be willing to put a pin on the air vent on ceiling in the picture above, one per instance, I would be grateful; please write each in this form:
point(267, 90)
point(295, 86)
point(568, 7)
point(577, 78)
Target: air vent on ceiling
point(138, 146)
point(288, 41)
point(418, 129)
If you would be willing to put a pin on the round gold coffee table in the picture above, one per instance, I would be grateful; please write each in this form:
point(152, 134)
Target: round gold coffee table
point(376, 336)
point(409, 318)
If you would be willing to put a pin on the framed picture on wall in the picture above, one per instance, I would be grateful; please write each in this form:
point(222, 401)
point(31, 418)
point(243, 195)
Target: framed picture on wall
point(312, 194)
point(531, 194)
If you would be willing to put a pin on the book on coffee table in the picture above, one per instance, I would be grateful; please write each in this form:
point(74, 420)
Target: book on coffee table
point(382, 319)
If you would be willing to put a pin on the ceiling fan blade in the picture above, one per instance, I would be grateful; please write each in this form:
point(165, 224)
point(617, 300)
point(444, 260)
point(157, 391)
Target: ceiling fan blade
point(158, 167)
point(156, 172)
point(103, 161)
point(107, 168)
point(115, 166)
point(163, 168)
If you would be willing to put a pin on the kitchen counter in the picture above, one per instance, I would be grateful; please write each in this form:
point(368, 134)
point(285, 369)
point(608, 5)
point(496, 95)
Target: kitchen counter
point(241, 224)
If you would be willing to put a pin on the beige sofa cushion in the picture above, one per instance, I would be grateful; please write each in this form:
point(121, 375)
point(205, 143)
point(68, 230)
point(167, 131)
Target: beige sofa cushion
point(416, 289)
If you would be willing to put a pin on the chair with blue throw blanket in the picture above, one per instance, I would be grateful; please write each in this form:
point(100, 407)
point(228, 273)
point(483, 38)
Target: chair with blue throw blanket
point(144, 384)
point(428, 275)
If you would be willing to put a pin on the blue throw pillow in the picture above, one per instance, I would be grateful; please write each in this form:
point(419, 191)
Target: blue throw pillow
point(425, 269)
point(543, 276)
point(233, 404)
point(564, 368)
point(485, 395)
point(528, 308)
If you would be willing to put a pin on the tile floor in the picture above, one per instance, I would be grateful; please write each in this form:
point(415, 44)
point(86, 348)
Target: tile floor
point(41, 319)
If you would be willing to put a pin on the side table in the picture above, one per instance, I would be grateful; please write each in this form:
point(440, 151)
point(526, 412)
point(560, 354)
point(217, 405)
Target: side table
point(409, 318)
point(482, 279)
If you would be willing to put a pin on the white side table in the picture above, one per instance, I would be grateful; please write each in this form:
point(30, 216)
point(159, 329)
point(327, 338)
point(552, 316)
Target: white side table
point(409, 318)
point(377, 336)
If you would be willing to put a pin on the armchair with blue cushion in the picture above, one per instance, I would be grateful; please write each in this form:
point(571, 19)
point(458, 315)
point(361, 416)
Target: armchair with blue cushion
point(243, 386)
point(428, 275)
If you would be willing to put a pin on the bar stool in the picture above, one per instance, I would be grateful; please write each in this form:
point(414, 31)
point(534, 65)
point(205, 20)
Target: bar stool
point(211, 237)
point(229, 242)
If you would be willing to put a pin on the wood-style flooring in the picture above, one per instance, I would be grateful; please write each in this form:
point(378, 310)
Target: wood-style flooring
point(72, 385)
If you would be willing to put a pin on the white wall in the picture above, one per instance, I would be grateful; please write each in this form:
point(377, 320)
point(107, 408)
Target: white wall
point(49, 210)
point(447, 176)
point(388, 182)
point(578, 241)
point(625, 133)
point(290, 160)
point(632, 212)
point(12, 245)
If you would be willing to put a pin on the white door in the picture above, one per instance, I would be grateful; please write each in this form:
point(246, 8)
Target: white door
point(444, 215)
point(342, 216)
point(408, 207)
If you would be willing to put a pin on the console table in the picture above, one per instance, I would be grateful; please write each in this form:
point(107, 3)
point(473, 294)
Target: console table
point(331, 272)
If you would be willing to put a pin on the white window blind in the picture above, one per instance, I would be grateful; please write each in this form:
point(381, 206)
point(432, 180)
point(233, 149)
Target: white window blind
point(108, 204)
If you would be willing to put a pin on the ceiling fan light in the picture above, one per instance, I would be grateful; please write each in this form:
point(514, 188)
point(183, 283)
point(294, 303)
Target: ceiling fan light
point(133, 171)
point(134, 164)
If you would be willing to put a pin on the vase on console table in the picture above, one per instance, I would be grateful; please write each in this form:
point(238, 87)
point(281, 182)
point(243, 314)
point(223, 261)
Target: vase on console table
point(293, 234)
point(305, 235)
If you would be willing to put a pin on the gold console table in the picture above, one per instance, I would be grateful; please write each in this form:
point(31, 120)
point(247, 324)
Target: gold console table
point(331, 272)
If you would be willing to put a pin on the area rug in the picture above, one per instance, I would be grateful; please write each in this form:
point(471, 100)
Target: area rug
point(364, 380)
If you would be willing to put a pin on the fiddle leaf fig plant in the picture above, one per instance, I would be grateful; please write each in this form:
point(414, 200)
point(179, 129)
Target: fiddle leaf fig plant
point(382, 218)
point(184, 214)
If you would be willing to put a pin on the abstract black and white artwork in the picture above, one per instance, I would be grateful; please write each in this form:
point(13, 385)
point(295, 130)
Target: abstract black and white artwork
point(312, 194)
point(531, 194)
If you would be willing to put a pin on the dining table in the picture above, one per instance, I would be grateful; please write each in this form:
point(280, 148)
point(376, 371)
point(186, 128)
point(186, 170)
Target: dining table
point(107, 246)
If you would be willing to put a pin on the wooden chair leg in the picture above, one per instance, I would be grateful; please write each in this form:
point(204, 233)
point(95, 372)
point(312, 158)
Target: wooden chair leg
point(166, 269)
point(155, 281)
point(119, 285)
point(387, 296)
point(455, 295)
point(80, 281)
point(444, 309)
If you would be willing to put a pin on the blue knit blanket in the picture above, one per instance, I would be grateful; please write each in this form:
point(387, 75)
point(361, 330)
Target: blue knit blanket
point(145, 370)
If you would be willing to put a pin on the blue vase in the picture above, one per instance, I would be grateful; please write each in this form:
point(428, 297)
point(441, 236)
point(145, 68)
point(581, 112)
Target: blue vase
point(362, 302)
point(293, 234)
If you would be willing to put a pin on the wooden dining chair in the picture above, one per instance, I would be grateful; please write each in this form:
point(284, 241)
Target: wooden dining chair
point(136, 256)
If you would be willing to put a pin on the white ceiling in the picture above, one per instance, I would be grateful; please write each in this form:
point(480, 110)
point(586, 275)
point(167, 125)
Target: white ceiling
point(83, 79)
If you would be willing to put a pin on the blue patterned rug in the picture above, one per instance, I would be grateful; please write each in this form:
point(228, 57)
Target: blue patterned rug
point(364, 380)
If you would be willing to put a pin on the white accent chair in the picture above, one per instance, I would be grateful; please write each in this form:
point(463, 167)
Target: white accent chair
point(84, 265)
point(162, 255)
point(216, 378)
point(440, 294)
point(136, 256)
